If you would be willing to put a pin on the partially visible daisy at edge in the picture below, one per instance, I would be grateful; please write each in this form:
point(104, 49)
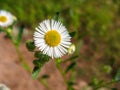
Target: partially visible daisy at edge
point(52, 38)
point(6, 18)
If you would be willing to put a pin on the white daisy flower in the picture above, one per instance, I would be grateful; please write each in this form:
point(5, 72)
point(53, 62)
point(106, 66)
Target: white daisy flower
point(52, 38)
point(6, 18)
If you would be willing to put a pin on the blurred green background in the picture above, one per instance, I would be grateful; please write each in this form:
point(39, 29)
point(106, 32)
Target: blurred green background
point(96, 23)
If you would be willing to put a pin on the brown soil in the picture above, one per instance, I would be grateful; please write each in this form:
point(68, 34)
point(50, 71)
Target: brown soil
point(13, 75)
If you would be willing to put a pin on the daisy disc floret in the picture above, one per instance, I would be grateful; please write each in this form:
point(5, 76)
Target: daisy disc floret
point(52, 38)
point(6, 18)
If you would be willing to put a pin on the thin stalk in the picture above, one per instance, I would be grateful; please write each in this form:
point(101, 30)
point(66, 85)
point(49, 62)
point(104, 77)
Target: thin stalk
point(61, 71)
point(27, 67)
point(43, 82)
point(23, 61)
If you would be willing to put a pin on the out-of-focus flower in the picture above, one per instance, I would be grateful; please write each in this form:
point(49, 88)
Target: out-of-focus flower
point(6, 18)
point(3, 87)
point(52, 38)
point(71, 49)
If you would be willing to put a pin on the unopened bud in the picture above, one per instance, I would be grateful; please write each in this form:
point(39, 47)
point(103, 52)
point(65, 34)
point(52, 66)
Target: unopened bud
point(15, 19)
point(71, 49)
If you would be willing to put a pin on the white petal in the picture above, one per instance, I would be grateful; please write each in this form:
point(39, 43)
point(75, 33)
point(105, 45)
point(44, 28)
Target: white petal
point(46, 49)
point(36, 34)
point(56, 54)
point(62, 49)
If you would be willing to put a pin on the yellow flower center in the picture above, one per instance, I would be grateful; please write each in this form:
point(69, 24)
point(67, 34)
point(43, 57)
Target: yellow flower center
point(3, 19)
point(52, 38)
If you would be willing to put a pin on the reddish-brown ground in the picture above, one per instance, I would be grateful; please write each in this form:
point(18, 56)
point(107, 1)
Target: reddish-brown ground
point(16, 77)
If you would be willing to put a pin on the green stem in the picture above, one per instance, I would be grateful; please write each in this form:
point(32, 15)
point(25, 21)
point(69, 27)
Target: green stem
point(44, 83)
point(12, 38)
point(24, 63)
point(26, 66)
point(61, 71)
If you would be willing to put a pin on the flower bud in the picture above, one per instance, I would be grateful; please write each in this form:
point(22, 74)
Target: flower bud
point(71, 49)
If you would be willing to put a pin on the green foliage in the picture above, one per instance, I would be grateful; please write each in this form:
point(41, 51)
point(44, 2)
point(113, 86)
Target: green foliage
point(107, 69)
point(38, 54)
point(1, 30)
point(35, 72)
point(72, 58)
point(30, 45)
point(58, 61)
point(117, 76)
point(19, 36)
point(38, 66)
point(72, 34)
point(71, 66)
point(95, 82)
point(40, 61)
point(45, 76)
point(56, 17)
point(70, 85)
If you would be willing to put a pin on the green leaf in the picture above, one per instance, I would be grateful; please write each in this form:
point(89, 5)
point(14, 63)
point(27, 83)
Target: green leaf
point(1, 30)
point(70, 83)
point(117, 76)
point(107, 69)
point(72, 34)
point(38, 63)
point(71, 58)
point(20, 33)
point(41, 56)
point(45, 58)
point(30, 45)
point(42, 60)
point(71, 66)
point(45, 76)
point(35, 72)
point(38, 54)
point(70, 88)
point(94, 82)
point(56, 17)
